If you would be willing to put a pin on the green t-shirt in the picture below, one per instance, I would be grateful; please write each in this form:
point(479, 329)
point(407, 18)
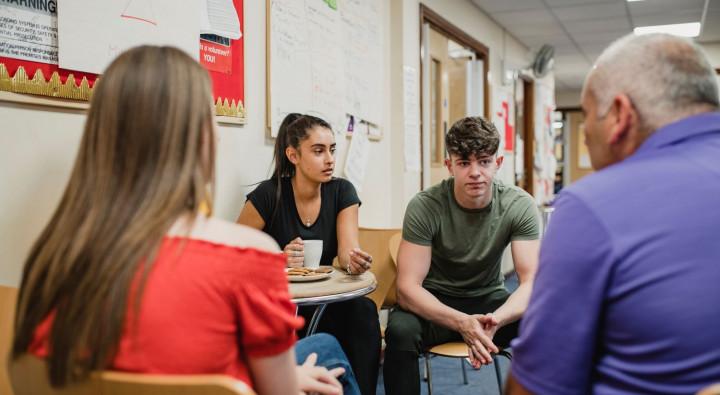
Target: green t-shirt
point(468, 244)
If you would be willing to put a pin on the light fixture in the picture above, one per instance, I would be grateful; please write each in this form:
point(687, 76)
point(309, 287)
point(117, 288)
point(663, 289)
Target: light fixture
point(632, 1)
point(678, 29)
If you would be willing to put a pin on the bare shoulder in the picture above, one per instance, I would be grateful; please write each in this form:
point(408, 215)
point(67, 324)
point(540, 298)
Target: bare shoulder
point(240, 235)
point(229, 233)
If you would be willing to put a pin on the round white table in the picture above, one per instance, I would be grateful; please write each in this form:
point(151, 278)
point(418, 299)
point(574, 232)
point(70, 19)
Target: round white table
point(339, 287)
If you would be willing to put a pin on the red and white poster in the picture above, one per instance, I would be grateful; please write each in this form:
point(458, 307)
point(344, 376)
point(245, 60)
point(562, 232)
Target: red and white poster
point(215, 56)
point(31, 33)
point(504, 118)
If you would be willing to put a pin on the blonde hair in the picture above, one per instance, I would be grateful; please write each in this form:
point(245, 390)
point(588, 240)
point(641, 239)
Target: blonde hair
point(146, 157)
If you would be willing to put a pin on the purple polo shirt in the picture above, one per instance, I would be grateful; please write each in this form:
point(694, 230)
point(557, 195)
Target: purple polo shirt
point(627, 294)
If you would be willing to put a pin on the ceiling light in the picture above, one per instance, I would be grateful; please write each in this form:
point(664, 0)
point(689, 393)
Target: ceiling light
point(678, 29)
point(631, 1)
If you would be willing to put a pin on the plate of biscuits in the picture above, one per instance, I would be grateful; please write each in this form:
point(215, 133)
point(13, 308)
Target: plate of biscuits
point(305, 274)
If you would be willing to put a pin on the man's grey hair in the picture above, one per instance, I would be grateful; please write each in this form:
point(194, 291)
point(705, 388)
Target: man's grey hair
point(665, 76)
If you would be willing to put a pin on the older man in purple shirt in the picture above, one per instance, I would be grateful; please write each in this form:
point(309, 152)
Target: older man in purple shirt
point(627, 295)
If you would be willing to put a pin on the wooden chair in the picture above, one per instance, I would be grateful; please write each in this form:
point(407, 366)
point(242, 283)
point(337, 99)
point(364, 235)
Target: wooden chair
point(28, 375)
point(375, 242)
point(393, 247)
point(451, 349)
point(460, 350)
point(8, 299)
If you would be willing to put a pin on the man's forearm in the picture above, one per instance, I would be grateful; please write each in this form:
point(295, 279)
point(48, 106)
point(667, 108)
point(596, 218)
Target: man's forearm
point(421, 302)
point(515, 306)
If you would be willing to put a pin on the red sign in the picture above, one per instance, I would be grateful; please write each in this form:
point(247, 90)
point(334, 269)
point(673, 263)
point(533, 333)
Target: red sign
point(216, 57)
point(509, 129)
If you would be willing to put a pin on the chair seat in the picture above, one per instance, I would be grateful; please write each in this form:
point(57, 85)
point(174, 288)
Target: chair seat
point(28, 375)
point(452, 350)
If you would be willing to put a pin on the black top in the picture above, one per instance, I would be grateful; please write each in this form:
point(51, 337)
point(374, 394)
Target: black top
point(285, 224)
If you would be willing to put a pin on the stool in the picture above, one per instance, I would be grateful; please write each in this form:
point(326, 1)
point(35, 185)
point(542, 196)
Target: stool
point(459, 350)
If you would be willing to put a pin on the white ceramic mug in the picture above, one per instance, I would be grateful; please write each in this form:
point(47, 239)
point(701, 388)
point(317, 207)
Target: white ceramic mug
point(313, 253)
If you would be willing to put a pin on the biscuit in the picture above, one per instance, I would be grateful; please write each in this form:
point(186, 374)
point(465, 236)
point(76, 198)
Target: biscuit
point(324, 269)
point(297, 272)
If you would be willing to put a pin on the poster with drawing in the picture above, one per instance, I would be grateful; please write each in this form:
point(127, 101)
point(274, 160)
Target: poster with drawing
point(93, 33)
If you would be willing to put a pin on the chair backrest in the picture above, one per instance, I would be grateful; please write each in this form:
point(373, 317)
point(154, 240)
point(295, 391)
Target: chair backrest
point(375, 242)
point(394, 246)
point(8, 299)
point(29, 377)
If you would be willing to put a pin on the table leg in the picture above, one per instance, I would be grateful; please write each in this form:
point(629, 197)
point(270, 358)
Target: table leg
point(315, 320)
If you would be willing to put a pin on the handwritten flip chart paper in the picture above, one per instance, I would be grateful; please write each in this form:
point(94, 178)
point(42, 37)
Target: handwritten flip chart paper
point(326, 63)
point(93, 33)
point(306, 67)
point(362, 55)
point(325, 60)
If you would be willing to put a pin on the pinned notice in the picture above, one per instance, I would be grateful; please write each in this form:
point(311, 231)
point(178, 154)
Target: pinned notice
point(215, 57)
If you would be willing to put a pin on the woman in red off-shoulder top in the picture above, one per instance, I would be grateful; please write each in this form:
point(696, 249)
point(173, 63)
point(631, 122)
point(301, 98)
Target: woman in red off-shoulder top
point(128, 275)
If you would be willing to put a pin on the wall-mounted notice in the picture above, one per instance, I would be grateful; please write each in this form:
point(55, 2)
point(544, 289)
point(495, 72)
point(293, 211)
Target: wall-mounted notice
point(28, 31)
point(411, 109)
point(504, 118)
point(357, 157)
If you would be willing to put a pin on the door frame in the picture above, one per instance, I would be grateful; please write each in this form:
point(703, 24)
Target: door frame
point(456, 34)
point(482, 52)
point(528, 132)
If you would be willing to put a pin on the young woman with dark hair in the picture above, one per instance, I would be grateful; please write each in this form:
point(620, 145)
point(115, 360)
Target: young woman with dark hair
point(303, 201)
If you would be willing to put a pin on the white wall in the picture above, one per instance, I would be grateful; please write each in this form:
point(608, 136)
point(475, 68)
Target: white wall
point(712, 50)
point(38, 144)
point(566, 99)
point(571, 98)
point(37, 149)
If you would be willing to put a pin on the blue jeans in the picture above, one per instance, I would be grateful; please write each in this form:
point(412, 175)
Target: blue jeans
point(330, 356)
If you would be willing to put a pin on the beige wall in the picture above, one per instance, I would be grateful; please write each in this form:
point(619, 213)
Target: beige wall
point(38, 144)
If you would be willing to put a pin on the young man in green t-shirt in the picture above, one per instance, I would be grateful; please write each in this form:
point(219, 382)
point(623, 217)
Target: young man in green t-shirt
point(450, 284)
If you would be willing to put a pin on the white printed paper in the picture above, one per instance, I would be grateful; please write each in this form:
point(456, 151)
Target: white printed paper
point(411, 110)
point(357, 156)
point(219, 17)
point(29, 31)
